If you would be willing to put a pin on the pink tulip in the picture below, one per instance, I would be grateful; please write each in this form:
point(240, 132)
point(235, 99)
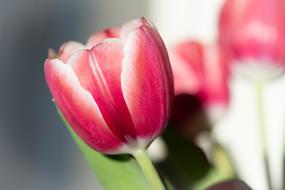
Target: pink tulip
point(116, 91)
point(253, 29)
point(201, 71)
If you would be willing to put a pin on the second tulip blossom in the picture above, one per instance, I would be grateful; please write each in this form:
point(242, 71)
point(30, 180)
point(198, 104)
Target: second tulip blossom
point(253, 32)
point(201, 70)
point(116, 90)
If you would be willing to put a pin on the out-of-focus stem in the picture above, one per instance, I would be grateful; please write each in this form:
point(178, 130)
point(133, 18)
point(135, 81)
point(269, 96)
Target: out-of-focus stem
point(148, 169)
point(261, 119)
point(222, 161)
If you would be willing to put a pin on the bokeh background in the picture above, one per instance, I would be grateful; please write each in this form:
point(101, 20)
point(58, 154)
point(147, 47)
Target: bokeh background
point(36, 151)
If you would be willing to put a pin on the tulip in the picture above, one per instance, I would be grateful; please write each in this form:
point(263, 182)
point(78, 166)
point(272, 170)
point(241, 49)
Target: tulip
point(115, 91)
point(252, 33)
point(199, 71)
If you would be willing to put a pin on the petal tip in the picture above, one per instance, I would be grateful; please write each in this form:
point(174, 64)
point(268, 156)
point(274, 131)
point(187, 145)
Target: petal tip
point(51, 53)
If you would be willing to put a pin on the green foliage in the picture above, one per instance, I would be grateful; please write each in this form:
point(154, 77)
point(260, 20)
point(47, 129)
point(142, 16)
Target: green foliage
point(119, 172)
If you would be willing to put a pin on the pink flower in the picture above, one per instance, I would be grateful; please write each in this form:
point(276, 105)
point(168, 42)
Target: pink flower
point(253, 29)
point(201, 71)
point(116, 91)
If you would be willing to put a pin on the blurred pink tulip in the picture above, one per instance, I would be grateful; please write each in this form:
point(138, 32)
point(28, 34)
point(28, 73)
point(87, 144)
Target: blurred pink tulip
point(253, 29)
point(116, 91)
point(201, 71)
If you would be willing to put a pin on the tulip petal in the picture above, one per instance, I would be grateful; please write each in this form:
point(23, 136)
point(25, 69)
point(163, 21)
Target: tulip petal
point(69, 48)
point(129, 27)
point(253, 29)
point(150, 31)
point(185, 78)
point(99, 71)
point(154, 36)
point(79, 107)
point(215, 89)
point(187, 65)
point(100, 36)
point(145, 84)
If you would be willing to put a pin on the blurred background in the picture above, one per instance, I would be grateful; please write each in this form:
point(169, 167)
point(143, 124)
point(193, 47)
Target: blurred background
point(36, 151)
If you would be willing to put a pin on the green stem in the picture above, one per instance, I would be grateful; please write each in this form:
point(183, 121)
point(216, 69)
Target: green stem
point(222, 161)
point(261, 119)
point(149, 170)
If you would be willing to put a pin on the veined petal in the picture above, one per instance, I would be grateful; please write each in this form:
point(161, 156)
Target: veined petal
point(98, 37)
point(69, 48)
point(130, 26)
point(99, 71)
point(145, 84)
point(153, 35)
point(79, 107)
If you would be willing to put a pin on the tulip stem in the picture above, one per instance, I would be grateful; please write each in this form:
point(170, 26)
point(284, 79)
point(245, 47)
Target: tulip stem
point(149, 170)
point(261, 119)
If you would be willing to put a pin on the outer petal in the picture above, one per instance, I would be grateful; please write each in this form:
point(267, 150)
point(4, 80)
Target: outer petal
point(79, 108)
point(146, 83)
point(97, 37)
point(130, 26)
point(69, 48)
point(99, 71)
point(154, 36)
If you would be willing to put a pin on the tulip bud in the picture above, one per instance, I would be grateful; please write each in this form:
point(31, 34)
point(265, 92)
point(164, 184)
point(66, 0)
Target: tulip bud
point(252, 33)
point(200, 71)
point(116, 91)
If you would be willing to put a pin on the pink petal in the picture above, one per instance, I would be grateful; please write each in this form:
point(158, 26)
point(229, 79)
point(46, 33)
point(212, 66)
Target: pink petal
point(253, 29)
point(51, 53)
point(99, 71)
point(130, 26)
point(145, 83)
point(79, 107)
point(187, 65)
point(216, 92)
point(69, 48)
point(100, 36)
point(153, 35)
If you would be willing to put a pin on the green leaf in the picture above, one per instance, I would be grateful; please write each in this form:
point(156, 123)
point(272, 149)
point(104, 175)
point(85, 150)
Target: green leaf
point(212, 177)
point(119, 172)
point(186, 163)
point(188, 167)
